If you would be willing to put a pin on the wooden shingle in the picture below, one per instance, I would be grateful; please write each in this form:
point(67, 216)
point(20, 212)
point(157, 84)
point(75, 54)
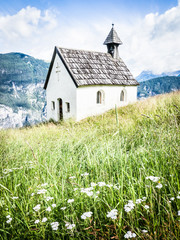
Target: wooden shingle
point(96, 68)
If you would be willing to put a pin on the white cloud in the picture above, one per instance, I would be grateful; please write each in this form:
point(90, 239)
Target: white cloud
point(149, 43)
point(24, 31)
point(153, 44)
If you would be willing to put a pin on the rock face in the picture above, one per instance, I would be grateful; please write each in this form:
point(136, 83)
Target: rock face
point(22, 98)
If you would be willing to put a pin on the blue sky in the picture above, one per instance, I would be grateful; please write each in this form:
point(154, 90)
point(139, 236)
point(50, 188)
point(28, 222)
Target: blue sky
point(89, 7)
point(149, 29)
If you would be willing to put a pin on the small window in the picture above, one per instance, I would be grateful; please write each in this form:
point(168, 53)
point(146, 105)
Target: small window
point(122, 96)
point(52, 105)
point(67, 107)
point(99, 97)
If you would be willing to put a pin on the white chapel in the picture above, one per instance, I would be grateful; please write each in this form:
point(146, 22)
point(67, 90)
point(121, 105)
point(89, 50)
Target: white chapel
point(85, 83)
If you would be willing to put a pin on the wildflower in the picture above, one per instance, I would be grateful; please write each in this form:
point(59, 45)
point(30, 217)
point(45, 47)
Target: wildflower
point(49, 198)
point(159, 185)
point(110, 185)
point(32, 194)
point(70, 200)
point(41, 191)
point(54, 226)
point(44, 184)
point(115, 187)
point(129, 206)
point(93, 184)
point(37, 207)
point(89, 194)
point(88, 191)
point(75, 189)
point(69, 226)
point(129, 234)
point(44, 219)
point(179, 213)
point(138, 201)
point(84, 174)
point(112, 214)
point(6, 171)
point(146, 206)
point(8, 216)
point(9, 220)
point(144, 231)
point(72, 177)
point(144, 199)
point(101, 184)
point(153, 179)
point(86, 214)
point(178, 197)
point(48, 209)
point(63, 208)
point(172, 199)
point(15, 197)
point(53, 205)
point(37, 221)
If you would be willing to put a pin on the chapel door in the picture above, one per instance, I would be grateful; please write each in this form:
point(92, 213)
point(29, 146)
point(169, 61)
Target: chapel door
point(60, 109)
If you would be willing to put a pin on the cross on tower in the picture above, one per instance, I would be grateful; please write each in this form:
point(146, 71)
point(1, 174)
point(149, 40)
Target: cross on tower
point(58, 70)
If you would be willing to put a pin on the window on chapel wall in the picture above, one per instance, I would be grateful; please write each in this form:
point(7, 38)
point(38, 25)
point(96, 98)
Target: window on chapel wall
point(67, 107)
point(100, 97)
point(122, 96)
point(52, 105)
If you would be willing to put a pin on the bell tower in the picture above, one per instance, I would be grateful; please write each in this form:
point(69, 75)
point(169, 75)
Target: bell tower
point(113, 41)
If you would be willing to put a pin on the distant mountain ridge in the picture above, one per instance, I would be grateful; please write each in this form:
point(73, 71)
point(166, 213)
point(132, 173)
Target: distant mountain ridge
point(22, 98)
point(158, 85)
point(146, 75)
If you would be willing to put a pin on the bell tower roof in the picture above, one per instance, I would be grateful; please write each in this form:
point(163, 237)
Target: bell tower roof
point(112, 37)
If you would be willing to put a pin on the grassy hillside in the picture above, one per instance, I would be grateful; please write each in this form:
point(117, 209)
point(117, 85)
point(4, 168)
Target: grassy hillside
point(96, 179)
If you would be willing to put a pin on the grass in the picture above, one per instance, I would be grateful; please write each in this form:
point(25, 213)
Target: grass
point(120, 148)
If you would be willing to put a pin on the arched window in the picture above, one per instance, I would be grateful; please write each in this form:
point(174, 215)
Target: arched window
point(99, 97)
point(122, 97)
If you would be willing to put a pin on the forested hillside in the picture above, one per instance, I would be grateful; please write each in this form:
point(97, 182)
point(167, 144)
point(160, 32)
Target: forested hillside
point(159, 85)
point(22, 98)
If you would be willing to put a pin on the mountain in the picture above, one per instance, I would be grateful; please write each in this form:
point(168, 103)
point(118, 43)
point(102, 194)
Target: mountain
point(158, 85)
point(146, 75)
point(22, 98)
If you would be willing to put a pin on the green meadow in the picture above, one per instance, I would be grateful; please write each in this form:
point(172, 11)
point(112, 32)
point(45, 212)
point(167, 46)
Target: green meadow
point(114, 176)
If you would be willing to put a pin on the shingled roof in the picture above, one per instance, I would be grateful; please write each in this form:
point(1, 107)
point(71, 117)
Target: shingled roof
point(93, 68)
point(112, 37)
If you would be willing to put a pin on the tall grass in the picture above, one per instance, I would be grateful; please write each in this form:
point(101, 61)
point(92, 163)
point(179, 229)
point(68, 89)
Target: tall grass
point(120, 148)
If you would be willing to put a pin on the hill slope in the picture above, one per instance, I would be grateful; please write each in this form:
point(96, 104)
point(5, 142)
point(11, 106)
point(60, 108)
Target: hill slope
point(22, 98)
point(157, 86)
point(106, 175)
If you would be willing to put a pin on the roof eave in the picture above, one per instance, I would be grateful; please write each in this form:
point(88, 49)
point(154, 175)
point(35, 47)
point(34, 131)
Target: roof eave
point(56, 50)
point(50, 68)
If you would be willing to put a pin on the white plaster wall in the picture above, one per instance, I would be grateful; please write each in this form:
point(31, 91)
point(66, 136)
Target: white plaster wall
point(87, 97)
point(60, 87)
